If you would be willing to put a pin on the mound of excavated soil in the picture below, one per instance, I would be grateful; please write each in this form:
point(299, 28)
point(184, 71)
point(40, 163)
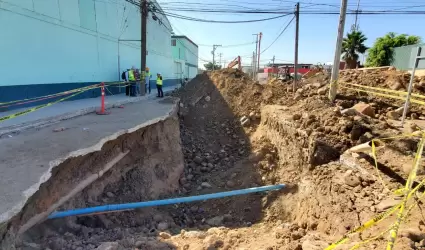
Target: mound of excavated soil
point(389, 79)
point(320, 203)
point(239, 91)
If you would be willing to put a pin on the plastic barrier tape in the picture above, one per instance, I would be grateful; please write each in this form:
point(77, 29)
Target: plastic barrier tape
point(52, 95)
point(8, 117)
point(364, 226)
point(34, 100)
point(385, 90)
point(374, 156)
point(370, 239)
point(386, 231)
point(390, 211)
point(409, 183)
point(385, 95)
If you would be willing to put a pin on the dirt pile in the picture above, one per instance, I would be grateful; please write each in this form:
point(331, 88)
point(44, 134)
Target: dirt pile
point(240, 92)
point(388, 78)
point(275, 142)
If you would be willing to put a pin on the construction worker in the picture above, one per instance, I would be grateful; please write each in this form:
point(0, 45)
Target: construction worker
point(126, 79)
point(159, 85)
point(148, 77)
point(287, 73)
point(132, 80)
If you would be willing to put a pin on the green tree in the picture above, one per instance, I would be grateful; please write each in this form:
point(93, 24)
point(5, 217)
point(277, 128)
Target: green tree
point(382, 51)
point(209, 66)
point(352, 46)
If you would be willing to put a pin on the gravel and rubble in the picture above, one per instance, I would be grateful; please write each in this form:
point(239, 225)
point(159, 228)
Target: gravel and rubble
point(236, 134)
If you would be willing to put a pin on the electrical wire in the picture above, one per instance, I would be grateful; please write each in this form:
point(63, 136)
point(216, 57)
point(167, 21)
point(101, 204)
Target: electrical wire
point(284, 29)
point(228, 46)
point(169, 14)
point(315, 12)
point(170, 30)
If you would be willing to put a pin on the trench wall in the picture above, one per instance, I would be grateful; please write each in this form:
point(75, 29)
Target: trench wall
point(151, 168)
point(297, 147)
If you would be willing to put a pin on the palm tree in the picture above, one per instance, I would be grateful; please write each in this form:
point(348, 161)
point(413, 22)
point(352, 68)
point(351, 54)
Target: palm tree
point(352, 46)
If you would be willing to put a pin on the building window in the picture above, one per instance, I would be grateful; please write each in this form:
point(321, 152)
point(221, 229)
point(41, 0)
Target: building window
point(173, 42)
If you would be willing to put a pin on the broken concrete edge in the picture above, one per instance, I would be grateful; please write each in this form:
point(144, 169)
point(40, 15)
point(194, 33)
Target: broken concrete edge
point(6, 216)
point(55, 119)
point(78, 188)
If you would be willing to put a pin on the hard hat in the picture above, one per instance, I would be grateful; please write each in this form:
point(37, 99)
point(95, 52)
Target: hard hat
point(147, 69)
point(158, 73)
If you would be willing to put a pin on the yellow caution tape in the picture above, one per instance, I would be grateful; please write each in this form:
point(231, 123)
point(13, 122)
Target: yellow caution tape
point(386, 95)
point(39, 97)
point(332, 83)
point(404, 93)
point(388, 230)
point(8, 117)
point(409, 183)
point(364, 226)
point(378, 219)
point(370, 239)
point(390, 211)
point(374, 156)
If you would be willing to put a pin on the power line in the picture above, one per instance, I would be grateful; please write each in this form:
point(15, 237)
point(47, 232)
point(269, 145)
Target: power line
point(229, 46)
point(286, 27)
point(218, 21)
point(316, 12)
point(171, 31)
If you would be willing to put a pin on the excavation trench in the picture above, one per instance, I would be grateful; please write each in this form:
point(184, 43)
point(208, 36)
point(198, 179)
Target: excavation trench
point(201, 147)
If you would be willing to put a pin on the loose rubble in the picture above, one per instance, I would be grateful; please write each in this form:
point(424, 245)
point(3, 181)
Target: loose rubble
point(225, 122)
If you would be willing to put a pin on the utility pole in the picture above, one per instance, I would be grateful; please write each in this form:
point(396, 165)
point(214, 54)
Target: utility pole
point(254, 69)
point(144, 20)
point(259, 50)
point(253, 64)
point(220, 58)
point(355, 27)
point(215, 46)
point(273, 65)
point(337, 57)
point(297, 27)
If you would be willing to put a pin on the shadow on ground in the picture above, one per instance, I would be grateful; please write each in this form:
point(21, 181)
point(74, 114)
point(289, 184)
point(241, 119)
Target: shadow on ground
point(216, 153)
point(216, 150)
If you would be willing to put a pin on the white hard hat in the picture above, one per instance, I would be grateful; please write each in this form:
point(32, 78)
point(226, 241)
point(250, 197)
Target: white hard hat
point(158, 73)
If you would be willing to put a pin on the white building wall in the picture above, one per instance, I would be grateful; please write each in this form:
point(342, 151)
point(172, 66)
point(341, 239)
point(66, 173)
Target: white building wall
point(66, 41)
point(191, 54)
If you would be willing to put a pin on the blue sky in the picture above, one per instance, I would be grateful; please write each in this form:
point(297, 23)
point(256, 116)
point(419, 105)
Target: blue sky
point(317, 32)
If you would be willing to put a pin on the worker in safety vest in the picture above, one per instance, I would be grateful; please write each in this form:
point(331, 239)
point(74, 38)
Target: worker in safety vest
point(148, 77)
point(132, 80)
point(159, 85)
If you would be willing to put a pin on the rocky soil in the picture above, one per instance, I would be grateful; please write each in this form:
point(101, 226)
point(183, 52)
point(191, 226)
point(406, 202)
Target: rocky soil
point(226, 147)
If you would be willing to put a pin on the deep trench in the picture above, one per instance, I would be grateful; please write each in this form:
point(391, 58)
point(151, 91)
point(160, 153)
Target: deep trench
point(163, 161)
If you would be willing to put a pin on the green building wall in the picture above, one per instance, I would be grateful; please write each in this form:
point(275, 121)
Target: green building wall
point(404, 56)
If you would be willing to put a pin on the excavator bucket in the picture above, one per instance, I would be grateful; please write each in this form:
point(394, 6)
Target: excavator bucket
point(236, 61)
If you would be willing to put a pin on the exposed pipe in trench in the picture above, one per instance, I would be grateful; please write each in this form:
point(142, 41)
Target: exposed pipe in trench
point(130, 206)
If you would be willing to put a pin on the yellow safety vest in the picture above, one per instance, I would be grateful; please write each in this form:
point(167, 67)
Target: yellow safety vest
point(158, 81)
point(131, 75)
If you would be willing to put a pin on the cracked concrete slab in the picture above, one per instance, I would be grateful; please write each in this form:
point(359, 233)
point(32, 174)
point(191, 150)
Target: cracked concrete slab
point(29, 157)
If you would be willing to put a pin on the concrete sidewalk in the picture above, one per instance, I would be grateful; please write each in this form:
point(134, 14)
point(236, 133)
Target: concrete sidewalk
point(28, 157)
point(67, 110)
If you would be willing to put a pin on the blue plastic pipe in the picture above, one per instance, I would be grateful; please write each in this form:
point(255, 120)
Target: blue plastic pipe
point(129, 206)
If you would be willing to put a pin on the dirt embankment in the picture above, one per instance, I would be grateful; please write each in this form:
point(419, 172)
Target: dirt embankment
point(238, 134)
